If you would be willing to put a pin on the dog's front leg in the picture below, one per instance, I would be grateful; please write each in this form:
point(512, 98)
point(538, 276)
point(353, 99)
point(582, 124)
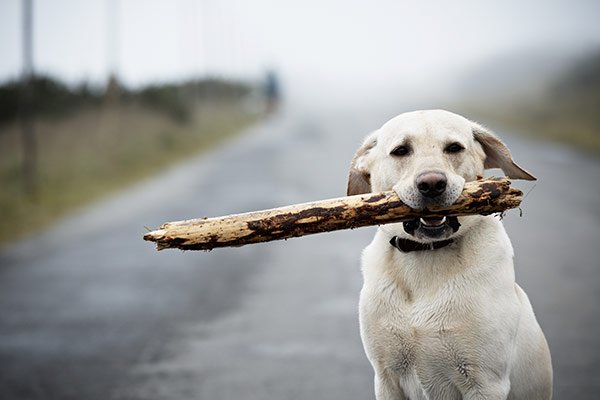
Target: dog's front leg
point(494, 390)
point(387, 388)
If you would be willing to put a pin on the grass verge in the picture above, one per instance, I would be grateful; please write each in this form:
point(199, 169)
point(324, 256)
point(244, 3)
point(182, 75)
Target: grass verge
point(559, 125)
point(93, 152)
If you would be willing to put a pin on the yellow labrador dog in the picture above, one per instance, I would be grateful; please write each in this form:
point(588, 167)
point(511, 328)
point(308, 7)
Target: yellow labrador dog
point(441, 316)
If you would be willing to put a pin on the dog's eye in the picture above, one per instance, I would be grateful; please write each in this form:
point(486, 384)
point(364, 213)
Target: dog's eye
point(400, 151)
point(454, 148)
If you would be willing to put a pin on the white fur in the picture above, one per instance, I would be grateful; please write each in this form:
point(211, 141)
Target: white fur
point(449, 323)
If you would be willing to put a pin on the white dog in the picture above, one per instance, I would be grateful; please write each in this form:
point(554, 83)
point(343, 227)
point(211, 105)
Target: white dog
point(441, 316)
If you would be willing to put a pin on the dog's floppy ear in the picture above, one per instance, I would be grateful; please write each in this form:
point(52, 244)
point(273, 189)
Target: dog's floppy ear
point(359, 177)
point(497, 154)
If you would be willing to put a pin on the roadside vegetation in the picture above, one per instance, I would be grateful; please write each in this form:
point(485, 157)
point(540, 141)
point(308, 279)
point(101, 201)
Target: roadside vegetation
point(91, 144)
point(566, 110)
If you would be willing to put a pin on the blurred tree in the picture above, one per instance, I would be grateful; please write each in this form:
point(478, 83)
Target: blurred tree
point(113, 90)
point(578, 90)
point(54, 98)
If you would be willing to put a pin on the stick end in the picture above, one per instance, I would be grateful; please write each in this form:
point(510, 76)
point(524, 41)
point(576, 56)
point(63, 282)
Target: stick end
point(155, 236)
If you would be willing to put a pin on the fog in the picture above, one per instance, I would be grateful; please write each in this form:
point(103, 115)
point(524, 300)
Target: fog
point(339, 46)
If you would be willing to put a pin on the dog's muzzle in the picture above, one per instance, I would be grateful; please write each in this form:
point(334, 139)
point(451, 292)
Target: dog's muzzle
point(432, 228)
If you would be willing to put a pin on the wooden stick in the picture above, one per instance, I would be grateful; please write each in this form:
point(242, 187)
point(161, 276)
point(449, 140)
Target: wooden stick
point(484, 197)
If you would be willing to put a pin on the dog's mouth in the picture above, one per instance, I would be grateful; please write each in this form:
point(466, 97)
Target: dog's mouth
point(432, 227)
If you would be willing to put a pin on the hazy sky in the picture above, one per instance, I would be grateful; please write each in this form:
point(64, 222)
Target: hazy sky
point(333, 42)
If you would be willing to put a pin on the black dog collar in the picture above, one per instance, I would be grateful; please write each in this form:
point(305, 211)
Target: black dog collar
point(406, 246)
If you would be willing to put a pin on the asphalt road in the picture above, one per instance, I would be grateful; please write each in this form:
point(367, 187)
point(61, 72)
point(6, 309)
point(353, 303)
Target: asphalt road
point(90, 311)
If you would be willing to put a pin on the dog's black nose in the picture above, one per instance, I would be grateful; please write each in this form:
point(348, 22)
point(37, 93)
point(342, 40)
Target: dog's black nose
point(431, 184)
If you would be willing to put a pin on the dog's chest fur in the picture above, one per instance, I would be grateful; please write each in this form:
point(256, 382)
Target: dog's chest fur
point(422, 344)
point(421, 341)
point(423, 326)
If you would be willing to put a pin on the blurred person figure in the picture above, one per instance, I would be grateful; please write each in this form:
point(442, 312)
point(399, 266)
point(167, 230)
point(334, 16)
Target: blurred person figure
point(272, 91)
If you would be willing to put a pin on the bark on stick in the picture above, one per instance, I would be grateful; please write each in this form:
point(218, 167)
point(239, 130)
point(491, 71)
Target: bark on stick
point(486, 196)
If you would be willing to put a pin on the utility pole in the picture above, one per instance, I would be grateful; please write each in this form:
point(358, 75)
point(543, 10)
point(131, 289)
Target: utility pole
point(112, 50)
point(29, 143)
